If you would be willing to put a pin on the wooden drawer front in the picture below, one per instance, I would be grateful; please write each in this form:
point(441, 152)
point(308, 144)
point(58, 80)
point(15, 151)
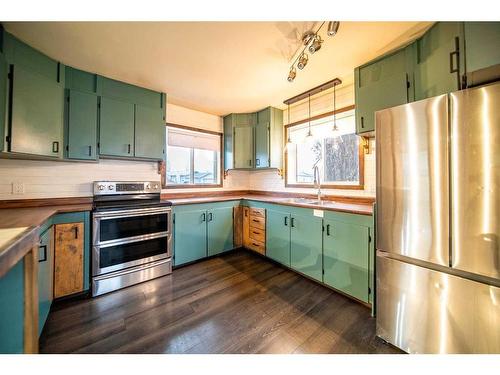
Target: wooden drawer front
point(258, 212)
point(258, 234)
point(257, 222)
point(68, 262)
point(257, 246)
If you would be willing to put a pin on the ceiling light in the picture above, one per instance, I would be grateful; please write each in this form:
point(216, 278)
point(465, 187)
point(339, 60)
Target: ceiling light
point(333, 27)
point(302, 61)
point(316, 44)
point(292, 74)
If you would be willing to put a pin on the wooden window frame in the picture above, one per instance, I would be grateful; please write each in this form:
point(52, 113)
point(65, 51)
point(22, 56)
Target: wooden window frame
point(361, 155)
point(165, 185)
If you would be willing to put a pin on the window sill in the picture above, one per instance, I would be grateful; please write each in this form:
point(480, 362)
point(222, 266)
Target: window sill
point(192, 186)
point(340, 187)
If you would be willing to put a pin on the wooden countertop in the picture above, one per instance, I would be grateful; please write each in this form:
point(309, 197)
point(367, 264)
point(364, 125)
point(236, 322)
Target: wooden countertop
point(19, 230)
point(349, 207)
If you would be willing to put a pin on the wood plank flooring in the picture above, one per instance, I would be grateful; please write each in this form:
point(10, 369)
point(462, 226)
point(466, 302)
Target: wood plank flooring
point(236, 303)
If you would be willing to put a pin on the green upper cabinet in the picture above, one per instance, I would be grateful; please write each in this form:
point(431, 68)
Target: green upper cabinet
point(220, 230)
point(253, 140)
point(37, 114)
point(439, 60)
point(278, 236)
point(262, 138)
point(381, 84)
point(190, 236)
point(149, 132)
point(3, 98)
point(243, 146)
point(306, 252)
point(45, 277)
point(81, 125)
point(482, 50)
point(116, 128)
point(346, 257)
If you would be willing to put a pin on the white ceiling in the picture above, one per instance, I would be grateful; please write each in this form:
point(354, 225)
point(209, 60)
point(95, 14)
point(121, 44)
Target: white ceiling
point(216, 67)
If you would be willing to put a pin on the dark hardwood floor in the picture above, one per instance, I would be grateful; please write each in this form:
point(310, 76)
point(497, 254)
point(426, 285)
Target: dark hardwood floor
point(235, 303)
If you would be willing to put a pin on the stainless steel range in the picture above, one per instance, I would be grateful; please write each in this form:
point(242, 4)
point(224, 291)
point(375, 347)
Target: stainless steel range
point(131, 234)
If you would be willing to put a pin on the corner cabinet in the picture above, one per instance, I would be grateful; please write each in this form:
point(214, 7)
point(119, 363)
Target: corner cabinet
point(202, 230)
point(254, 140)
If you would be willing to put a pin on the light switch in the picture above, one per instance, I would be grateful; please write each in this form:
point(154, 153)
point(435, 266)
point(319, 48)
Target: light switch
point(17, 187)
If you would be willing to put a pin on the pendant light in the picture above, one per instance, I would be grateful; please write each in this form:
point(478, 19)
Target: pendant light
point(335, 128)
point(309, 135)
point(289, 139)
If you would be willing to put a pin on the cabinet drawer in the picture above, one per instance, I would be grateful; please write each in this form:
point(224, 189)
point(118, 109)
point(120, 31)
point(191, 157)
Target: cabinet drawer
point(257, 246)
point(258, 212)
point(258, 234)
point(257, 222)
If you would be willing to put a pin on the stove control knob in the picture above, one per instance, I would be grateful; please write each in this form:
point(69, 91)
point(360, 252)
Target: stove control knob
point(100, 187)
point(110, 187)
point(148, 186)
point(155, 187)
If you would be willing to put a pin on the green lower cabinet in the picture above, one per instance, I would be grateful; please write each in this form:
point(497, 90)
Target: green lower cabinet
point(346, 257)
point(3, 97)
point(306, 245)
point(81, 125)
point(190, 236)
point(45, 277)
point(219, 230)
point(37, 114)
point(116, 128)
point(12, 310)
point(149, 133)
point(278, 236)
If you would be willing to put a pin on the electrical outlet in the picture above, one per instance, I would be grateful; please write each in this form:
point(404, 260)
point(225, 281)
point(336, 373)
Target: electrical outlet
point(17, 188)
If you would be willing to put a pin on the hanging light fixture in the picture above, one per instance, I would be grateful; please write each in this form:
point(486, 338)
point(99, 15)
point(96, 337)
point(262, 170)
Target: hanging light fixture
point(333, 27)
point(289, 138)
point(302, 61)
point(335, 128)
point(316, 44)
point(292, 74)
point(309, 135)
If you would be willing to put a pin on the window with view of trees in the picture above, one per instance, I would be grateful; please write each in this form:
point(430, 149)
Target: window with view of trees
point(193, 158)
point(335, 152)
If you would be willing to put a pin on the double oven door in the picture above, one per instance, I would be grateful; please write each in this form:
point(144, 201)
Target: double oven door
point(125, 238)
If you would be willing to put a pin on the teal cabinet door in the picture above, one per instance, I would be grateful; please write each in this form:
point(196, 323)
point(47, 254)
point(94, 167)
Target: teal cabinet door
point(12, 310)
point(438, 69)
point(3, 98)
point(278, 236)
point(220, 230)
point(81, 125)
point(190, 236)
point(306, 254)
point(262, 138)
point(37, 114)
point(378, 85)
point(228, 141)
point(45, 277)
point(345, 257)
point(482, 41)
point(149, 133)
point(243, 147)
point(116, 128)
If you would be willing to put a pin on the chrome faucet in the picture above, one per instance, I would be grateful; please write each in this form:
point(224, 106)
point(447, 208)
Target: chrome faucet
point(317, 182)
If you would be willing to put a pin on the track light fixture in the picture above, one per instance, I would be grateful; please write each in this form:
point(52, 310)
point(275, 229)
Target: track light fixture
point(302, 61)
point(312, 42)
point(333, 27)
point(316, 44)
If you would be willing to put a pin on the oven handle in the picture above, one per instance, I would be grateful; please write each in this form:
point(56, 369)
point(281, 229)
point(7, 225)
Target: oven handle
point(130, 213)
point(122, 241)
point(132, 269)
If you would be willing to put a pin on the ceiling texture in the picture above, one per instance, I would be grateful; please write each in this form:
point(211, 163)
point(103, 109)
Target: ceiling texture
point(215, 67)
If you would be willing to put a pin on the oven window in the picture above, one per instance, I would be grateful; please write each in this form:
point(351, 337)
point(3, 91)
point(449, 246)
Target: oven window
point(112, 229)
point(113, 255)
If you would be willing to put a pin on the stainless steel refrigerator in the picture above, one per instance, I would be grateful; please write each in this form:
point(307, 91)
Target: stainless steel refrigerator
point(438, 223)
